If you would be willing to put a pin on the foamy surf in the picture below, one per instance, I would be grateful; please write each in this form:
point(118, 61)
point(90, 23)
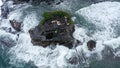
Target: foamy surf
point(102, 17)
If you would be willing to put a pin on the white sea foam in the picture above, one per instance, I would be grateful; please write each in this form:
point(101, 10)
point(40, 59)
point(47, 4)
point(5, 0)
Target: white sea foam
point(30, 21)
point(0, 2)
point(105, 16)
point(102, 15)
point(25, 51)
point(0, 8)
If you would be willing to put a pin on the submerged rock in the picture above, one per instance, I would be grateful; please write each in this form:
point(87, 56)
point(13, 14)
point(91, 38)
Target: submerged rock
point(6, 41)
point(34, 2)
point(38, 2)
point(91, 44)
point(56, 27)
point(4, 10)
point(6, 29)
point(16, 25)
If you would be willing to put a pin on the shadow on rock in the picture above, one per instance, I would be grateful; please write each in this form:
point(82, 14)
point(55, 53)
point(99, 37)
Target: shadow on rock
point(16, 25)
point(55, 28)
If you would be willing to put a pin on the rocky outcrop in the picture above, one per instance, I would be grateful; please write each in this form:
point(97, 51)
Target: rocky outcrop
point(16, 25)
point(91, 44)
point(56, 29)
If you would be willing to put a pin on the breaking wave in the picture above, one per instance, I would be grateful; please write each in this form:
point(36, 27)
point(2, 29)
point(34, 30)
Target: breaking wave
point(98, 22)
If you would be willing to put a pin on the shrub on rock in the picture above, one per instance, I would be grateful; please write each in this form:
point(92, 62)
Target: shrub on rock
point(56, 27)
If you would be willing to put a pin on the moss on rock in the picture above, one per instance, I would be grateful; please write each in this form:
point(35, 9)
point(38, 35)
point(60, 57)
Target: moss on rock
point(56, 27)
point(49, 15)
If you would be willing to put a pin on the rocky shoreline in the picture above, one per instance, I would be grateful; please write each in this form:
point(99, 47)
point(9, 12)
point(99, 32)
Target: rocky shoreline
point(53, 30)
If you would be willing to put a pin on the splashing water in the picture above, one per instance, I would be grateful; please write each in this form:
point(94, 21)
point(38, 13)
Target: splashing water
point(98, 22)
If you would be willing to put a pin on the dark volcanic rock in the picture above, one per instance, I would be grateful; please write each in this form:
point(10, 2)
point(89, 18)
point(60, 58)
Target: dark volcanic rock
point(16, 25)
point(34, 2)
point(20, 1)
point(91, 44)
point(53, 31)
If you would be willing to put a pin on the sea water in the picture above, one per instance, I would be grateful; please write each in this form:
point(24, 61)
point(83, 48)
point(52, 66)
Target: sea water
point(99, 22)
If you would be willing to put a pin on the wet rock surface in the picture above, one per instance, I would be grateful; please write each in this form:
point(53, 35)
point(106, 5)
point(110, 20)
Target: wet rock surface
point(55, 30)
point(91, 44)
point(35, 2)
point(16, 25)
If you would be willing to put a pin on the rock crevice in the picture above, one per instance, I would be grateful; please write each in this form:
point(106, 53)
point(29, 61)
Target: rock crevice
point(55, 29)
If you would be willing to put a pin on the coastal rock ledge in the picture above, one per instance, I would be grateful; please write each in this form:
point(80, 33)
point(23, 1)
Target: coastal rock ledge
point(56, 28)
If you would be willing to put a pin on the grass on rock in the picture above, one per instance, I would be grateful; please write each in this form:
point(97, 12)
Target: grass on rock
point(49, 15)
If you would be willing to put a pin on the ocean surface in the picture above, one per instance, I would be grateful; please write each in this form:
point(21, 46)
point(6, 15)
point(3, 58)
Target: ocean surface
point(97, 20)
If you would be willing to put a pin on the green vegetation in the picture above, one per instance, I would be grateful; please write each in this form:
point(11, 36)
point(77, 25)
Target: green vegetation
point(49, 15)
point(56, 31)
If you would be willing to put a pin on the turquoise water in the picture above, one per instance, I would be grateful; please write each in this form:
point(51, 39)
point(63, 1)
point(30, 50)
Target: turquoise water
point(106, 64)
point(25, 55)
